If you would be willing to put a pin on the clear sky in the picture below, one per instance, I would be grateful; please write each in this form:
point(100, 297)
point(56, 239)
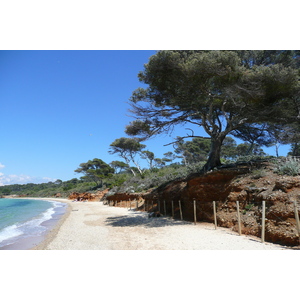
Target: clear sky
point(62, 108)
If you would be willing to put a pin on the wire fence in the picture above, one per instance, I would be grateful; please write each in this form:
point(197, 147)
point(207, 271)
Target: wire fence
point(273, 223)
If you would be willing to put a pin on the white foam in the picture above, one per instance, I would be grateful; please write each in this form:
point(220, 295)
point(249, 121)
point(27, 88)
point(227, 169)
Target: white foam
point(56, 204)
point(8, 233)
point(31, 227)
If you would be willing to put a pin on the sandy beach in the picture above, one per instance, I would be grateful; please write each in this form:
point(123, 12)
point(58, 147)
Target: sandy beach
point(95, 226)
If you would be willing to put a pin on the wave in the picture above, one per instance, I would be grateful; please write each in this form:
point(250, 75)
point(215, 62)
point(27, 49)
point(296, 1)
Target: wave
point(9, 232)
point(32, 227)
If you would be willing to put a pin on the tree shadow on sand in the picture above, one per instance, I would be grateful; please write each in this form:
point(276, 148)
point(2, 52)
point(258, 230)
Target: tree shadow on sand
point(143, 220)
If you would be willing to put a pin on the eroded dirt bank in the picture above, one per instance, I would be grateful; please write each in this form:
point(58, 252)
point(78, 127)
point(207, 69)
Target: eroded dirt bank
point(250, 185)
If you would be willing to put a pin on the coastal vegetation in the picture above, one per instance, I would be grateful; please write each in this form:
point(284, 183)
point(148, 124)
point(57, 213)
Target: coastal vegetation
point(224, 92)
point(125, 182)
point(250, 95)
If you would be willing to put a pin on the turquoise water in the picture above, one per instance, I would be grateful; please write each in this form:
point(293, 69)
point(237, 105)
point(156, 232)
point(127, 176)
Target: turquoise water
point(24, 218)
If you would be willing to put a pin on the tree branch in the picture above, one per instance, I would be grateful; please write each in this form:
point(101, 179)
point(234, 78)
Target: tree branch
point(186, 137)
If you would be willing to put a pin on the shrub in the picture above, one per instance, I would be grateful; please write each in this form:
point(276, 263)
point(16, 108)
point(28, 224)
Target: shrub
point(289, 167)
point(258, 173)
point(248, 158)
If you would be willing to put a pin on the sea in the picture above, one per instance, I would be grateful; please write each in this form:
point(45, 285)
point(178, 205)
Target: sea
point(25, 222)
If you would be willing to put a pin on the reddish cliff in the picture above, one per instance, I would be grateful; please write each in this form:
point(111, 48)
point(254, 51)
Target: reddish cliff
point(226, 186)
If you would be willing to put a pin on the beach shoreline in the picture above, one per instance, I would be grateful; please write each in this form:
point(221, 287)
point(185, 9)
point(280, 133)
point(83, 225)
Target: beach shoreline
point(52, 225)
point(95, 226)
point(55, 226)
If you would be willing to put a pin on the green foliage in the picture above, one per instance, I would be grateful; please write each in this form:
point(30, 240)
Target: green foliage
point(193, 151)
point(119, 166)
point(149, 156)
point(258, 173)
point(222, 91)
point(126, 182)
point(50, 189)
point(252, 95)
point(290, 166)
point(95, 170)
point(156, 177)
point(5, 190)
point(117, 180)
point(249, 206)
point(295, 149)
point(255, 135)
point(197, 150)
point(249, 158)
point(228, 150)
point(127, 148)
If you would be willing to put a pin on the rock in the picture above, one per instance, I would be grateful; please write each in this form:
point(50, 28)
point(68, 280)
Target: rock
point(225, 187)
point(287, 183)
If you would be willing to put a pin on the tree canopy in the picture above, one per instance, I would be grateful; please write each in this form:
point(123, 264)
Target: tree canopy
point(95, 170)
point(127, 148)
point(119, 166)
point(220, 91)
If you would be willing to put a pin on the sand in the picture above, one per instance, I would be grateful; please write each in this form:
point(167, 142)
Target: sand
point(95, 226)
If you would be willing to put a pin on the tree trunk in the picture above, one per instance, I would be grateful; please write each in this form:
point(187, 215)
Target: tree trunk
point(127, 162)
point(295, 149)
point(185, 161)
point(132, 172)
point(214, 157)
point(137, 166)
point(277, 147)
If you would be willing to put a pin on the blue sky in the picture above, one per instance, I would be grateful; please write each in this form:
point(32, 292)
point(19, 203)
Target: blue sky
point(62, 108)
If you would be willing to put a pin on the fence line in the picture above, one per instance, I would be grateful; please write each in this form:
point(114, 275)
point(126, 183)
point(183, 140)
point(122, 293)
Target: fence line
point(157, 206)
point(239, 217)
point(263, 222)
point(215, 214)
point(180, 210)
point(195, 212)
point(297, 218)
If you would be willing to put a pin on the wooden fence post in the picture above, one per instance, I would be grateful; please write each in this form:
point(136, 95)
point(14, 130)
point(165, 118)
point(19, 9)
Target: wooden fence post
point(297, 218)
point(158, 205)
point(195, 215)
point(172, 209)
point(215, 214)
point(129, 204)
point(263, 221)
point(239, 217)
point(165, 207)
point(137, 204)
point(180, 210)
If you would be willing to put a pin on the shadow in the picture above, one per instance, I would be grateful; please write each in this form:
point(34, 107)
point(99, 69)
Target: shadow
point(142, 220)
